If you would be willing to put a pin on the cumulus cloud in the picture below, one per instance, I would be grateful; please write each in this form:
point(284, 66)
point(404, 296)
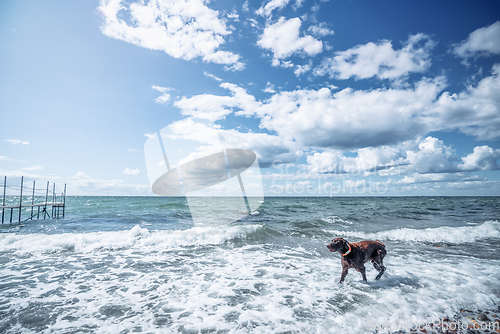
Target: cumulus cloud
point(267, 9)
point(17, 141)
point(234, 15)
point(132, 171)
point(368, 160)
point(267, 147)
point(483, 41)
point(482, 158)
point(475, 111)
point(184, 29)
point(320, 30)
point(214, 107)
point(35, 167)
point(83, 184)
point(353, 119)
point(379, 60)
point(347, 119)
point(301, 69)
point(165, 97)
point(421, 160)
point(270, 6)
point(282, 38)
point(269, 88)
point(432, 156)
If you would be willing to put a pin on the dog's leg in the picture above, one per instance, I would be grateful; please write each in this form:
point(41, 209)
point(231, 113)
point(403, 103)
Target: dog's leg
point(344, 274)
point(380, 273)
point(378, 264)
point(362, 270)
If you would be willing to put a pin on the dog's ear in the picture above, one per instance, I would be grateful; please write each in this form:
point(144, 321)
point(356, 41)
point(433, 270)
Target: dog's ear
point(345, 244)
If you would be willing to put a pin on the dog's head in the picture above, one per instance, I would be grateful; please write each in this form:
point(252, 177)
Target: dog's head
point(338, 244)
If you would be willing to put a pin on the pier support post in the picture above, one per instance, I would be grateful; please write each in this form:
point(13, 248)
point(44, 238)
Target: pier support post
point(64, 199)
point(21, 199)
point(12, 204)
point(46, 198)
point(53, 199)
point(32, 200)
point(3, 203)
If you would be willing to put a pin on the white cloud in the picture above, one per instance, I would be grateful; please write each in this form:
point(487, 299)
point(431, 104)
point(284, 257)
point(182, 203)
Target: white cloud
point(270, 6)
point(349, 119)
point(368, 161)
point(214, 107)
point(17, 141)
point(352, 119)
point(209, 75)
point(134, 150)
point(165, 97)
point(184, 29)
point(281, 63)
point(379, 60)
point(282, 38)
point(269, 88)
point(25, 174)
point(35, 167)
point(432, 177)
point(475, 111)
point(483, 158)
point(233, 15)
point(267, 147)
point(301, 69)
point(432, 156)
point(83, 184)
point(482, 41)
point(320, 30)
point(132, 171)
point(411, 159)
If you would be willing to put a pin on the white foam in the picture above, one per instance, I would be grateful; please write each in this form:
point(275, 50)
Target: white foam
point(337, 221)
point(256, 288)
point(443, 234)
point(137, 237)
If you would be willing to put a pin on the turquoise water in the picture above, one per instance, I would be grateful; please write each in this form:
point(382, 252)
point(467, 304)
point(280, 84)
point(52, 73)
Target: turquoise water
point(139, 264)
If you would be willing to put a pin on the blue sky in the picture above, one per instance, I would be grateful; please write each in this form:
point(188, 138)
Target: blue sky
point(335, 97)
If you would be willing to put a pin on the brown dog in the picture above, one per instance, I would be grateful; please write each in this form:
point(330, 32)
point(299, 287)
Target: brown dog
point(356, 254)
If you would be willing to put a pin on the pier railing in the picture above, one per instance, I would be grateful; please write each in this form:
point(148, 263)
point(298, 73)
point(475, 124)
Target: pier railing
point(12, 206)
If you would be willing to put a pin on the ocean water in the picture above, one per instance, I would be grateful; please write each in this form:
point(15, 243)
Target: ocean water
point(138, 264)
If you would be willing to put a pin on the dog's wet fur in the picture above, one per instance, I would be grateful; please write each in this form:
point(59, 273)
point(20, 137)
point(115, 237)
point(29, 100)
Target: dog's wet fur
point(360, 253)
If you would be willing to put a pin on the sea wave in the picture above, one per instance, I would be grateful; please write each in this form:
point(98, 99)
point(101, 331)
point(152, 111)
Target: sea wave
point(136, 237)
point(442, 234)
point(336, 220)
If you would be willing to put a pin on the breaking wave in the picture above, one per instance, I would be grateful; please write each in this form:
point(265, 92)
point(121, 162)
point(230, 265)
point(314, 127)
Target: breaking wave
point(444, 234)
point(136, 237)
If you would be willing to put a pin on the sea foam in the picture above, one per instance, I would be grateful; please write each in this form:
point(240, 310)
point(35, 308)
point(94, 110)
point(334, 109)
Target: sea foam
point(442, 234)
point(136, 237)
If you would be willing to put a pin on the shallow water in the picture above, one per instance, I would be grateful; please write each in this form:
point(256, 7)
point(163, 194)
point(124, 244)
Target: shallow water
point(125, 264)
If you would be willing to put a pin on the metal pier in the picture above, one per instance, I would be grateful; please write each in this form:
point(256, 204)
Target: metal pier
point(42, 206)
